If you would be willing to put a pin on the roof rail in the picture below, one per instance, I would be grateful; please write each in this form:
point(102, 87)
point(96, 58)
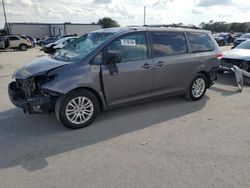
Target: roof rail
point(174, 25)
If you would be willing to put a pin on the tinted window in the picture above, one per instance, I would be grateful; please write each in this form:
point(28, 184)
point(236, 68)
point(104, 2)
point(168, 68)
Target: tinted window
point(130, 47)
point(13, 38)
point(168, 43)
point(200, 42)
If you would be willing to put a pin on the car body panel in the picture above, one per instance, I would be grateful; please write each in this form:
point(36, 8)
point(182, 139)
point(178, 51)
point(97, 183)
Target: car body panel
point(169, 78)
point(237, 54)
point(37, 67)
point(132, 82)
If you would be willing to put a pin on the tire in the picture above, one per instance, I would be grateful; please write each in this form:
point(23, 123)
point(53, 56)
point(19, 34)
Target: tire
point(23, 47)
point(222, 43)
point(200, 79)
point(73, 116)
point(221, 71)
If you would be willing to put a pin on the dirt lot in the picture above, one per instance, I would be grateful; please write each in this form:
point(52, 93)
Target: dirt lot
point(165, 143)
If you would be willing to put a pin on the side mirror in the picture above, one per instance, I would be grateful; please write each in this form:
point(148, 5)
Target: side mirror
point(113, 58)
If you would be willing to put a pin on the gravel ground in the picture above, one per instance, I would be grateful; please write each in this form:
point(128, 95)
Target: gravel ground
point(165, 143)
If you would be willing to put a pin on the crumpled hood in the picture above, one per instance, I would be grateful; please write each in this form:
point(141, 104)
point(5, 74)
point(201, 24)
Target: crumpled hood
point(237, 54)
point(39, 66)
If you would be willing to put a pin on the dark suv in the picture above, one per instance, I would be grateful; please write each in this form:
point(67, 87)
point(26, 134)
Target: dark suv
point(112, 67)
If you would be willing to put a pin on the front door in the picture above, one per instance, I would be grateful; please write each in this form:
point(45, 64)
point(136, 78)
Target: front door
point(134, 77)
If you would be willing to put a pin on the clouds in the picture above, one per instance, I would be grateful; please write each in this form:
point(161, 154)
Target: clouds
point(127, 12)
point(102, 1)
point(209, 3)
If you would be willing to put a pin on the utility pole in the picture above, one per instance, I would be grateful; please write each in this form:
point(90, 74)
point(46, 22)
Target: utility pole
point(144, 17)
point(5, 17)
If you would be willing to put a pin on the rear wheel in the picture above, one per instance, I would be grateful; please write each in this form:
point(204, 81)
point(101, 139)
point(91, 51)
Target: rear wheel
point(197, 88)
point(222, 43)
point(78, 109)
point(23, 47)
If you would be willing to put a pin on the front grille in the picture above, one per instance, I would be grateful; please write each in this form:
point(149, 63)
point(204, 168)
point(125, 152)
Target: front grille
point(232, 61)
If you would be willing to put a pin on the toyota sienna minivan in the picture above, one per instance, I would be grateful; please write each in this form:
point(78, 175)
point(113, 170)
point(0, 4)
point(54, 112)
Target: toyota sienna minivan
point(111, 67)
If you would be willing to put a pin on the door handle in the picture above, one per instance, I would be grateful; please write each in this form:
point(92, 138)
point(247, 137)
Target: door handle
point(146, 66)
point(160, 64)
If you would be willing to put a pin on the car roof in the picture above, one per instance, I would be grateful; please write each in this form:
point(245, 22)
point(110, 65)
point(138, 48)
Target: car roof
point(152, 28)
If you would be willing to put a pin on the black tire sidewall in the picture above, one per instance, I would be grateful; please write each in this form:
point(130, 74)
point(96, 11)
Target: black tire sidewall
point(23, 45)
point(192, 97)
point(63, 101)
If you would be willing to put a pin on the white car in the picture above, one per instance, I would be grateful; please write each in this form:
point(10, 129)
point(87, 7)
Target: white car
point(53, 47)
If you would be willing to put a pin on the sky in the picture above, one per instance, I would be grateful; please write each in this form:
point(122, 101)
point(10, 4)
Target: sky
point(126, 12)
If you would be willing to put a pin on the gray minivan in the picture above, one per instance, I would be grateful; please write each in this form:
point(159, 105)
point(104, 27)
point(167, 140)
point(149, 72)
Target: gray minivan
point(112, 67)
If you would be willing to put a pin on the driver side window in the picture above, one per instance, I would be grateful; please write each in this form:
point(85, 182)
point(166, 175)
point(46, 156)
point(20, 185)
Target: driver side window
point(130, 47)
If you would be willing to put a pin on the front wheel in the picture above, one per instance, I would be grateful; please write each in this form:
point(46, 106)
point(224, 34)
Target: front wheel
point(78, 109)
point(23, 47)
point(197, 88)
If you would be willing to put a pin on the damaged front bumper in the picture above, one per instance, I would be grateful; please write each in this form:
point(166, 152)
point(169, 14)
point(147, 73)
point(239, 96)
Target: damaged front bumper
point(42, 103)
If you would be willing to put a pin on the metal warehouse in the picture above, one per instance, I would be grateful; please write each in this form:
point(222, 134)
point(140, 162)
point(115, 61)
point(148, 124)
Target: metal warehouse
point(41, 30)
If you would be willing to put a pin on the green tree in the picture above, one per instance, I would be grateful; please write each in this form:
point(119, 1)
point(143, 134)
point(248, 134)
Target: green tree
point(108, 22)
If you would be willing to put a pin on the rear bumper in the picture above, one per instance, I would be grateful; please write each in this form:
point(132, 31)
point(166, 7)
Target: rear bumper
point(38, 104)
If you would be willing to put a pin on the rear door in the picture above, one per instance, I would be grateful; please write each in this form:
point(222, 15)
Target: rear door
point(173, 64)
point(134, 77)
point(14, 41)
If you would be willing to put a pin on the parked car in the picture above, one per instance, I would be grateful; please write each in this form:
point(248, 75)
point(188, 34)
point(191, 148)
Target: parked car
point(64, 36)
point(241, 39)
point(237, 35)
point(32, 41)
point(223, 38)
point(113, 67)
point(239, 56)
point(53, 47)
point(4, 43)
point(46, 41)
point(16, 42)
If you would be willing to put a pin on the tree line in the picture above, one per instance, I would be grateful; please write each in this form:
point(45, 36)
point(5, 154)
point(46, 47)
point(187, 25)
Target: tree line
point(226, 27)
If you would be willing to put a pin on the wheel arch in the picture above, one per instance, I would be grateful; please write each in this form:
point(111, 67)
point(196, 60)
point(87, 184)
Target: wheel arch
point(97, 95)
point(207, 76)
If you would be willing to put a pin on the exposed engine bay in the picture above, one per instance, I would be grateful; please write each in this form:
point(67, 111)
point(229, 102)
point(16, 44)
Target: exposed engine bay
point(29, 95)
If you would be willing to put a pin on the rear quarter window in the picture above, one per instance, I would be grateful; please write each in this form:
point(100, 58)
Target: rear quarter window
point(200, 42)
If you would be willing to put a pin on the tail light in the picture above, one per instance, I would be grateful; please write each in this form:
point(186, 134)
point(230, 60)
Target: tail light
point(219, 56)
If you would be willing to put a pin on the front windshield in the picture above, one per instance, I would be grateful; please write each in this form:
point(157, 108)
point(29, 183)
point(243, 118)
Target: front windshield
point(80, 48)
point(244, 45)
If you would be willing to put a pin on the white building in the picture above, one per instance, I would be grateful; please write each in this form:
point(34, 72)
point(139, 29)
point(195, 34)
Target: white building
point(40, 30)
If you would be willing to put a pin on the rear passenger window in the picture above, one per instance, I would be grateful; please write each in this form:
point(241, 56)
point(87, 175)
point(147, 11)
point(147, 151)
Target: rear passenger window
point(200, 42)
point(130, 47)
point(13, 38)
point(168, 43)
